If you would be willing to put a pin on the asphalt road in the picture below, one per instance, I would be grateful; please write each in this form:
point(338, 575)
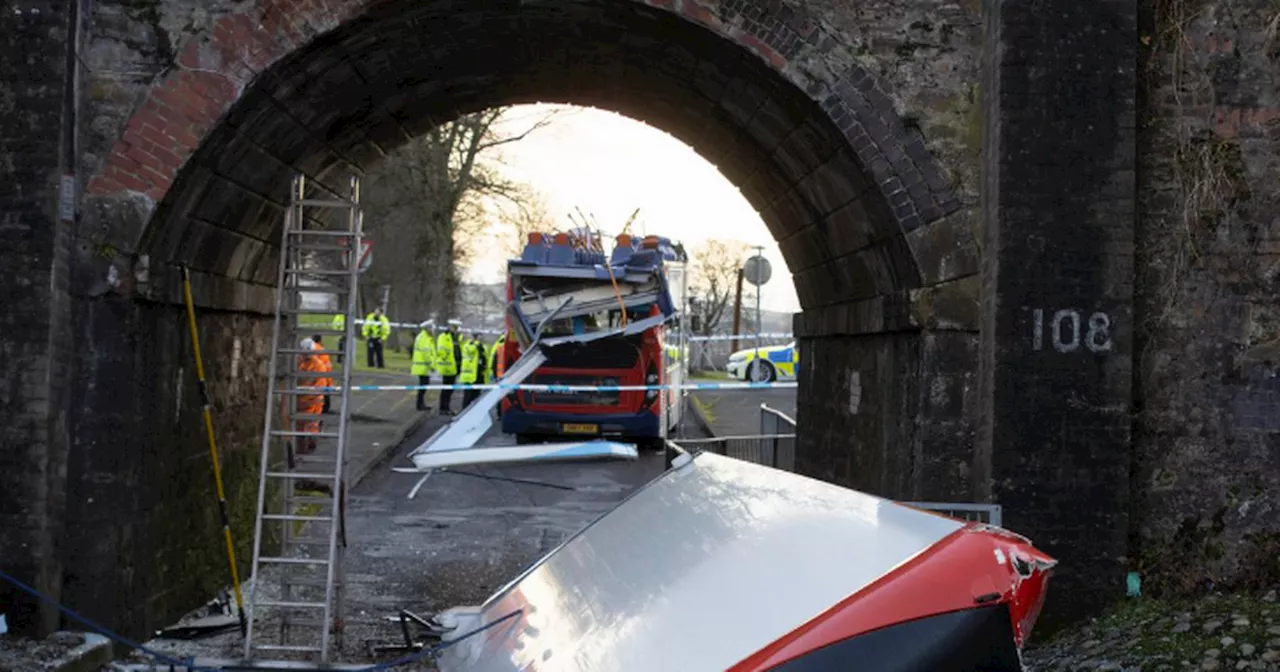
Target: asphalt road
point(737, 412)
point(458, 541)
point(464, 536)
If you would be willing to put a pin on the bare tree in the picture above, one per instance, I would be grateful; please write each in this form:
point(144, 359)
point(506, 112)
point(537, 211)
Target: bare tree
point(430, 196)
point(713, 274)
point(517, 218)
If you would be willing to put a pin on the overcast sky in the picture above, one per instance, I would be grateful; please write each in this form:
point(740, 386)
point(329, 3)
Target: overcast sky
point(608, 165)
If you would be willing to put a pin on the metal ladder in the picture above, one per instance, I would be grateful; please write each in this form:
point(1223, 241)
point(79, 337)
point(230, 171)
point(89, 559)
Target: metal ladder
point(307, 568)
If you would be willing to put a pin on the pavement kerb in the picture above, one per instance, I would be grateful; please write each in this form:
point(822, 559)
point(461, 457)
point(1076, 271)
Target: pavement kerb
point(388, 449)
point(701, 419)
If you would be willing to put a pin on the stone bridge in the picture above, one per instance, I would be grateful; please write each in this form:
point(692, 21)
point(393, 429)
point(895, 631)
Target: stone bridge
point(1032, 242)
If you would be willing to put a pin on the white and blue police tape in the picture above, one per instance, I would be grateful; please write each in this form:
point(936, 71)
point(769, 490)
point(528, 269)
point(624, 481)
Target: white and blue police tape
point(415, 325)
point(692, 339)
point(741, 337)
point(565, 389)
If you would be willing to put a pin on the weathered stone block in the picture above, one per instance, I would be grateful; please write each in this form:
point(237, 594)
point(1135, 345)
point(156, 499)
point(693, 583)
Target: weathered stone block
point(34, 276)
point(1057, 354)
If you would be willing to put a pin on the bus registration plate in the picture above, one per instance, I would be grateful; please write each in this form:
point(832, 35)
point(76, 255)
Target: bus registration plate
point(579, 429)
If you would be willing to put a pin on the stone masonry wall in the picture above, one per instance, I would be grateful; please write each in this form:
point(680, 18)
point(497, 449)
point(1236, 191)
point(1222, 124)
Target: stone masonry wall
point(35, 347)
point(900, 413)
point(1057, 286)
point(1207, 437)
point(143, 540)
point(897, 417)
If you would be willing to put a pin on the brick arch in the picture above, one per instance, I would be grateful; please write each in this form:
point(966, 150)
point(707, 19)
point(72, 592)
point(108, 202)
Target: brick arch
point(760, 87)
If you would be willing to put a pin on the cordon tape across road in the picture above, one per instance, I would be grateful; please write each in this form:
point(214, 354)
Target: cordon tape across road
point(692, 339)
point(528, 387)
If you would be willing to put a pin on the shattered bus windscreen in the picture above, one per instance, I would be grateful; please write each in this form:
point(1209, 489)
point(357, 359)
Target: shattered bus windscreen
point(574, 398)
point(615, 352)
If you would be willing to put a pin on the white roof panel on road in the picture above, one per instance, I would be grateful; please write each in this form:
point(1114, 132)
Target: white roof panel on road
point(696, 571)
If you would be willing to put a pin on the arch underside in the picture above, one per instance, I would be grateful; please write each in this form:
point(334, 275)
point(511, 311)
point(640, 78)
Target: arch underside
point(355, 94)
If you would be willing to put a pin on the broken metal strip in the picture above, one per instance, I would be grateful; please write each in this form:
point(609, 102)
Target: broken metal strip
point(590, 304)
point(473, 422)
point(429, 461)
point(632, 275)
point(631, 329)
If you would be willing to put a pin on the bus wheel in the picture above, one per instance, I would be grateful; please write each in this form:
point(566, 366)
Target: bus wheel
point(761, 372)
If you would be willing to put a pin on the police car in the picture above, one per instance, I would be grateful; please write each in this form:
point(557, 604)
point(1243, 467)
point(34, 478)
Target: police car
point(775, 362)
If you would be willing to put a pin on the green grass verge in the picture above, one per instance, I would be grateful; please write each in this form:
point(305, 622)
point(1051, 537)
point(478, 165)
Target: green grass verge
point(316, 320)
point(707, 409)
point(396, 361)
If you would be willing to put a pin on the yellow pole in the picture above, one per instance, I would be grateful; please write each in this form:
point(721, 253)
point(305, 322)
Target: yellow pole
point(213, 447)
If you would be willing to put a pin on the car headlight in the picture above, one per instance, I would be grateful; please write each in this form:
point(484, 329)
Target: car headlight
point(737, 357)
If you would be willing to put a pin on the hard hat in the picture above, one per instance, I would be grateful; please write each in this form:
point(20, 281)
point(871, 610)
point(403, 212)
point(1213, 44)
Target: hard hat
point(455, 323)
point(426, 323)
point(308, 344)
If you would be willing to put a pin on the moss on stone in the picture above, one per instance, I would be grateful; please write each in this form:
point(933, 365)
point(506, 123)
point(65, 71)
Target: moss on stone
point(1153, 631)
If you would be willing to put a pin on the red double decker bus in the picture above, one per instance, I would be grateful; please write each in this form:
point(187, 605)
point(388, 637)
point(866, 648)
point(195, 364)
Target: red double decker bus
point(617, 322)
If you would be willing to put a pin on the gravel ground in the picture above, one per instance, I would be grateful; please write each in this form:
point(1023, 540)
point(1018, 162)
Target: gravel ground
point(1218, 632)
point(20, 653)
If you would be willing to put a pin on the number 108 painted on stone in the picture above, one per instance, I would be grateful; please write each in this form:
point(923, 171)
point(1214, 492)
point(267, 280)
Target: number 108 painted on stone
point(1068, 334)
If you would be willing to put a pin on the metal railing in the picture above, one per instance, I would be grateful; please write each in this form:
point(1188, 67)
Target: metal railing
point(775, 446)
point(773, 421)
point(772, 450)
point(979, 513)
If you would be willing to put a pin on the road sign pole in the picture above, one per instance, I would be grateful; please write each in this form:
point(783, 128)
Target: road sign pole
point(759, 318)
point(757, 271)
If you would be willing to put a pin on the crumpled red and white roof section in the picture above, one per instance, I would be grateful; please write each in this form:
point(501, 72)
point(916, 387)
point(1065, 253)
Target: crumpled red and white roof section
point(722, 565)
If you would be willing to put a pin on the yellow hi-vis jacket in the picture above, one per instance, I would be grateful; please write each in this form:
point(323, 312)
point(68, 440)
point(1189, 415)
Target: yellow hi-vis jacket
point(376, 326)
point(445, 362)
point(491, 370)
point(339, 322)
point(470, 363)
point(484, 356)
point(424, 354)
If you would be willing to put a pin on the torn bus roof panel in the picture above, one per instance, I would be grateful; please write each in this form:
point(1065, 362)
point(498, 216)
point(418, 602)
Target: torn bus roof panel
point(631, 329)
point(584, 273)
point(586, 301)
point(726, 565)
point(560, 268)
point(549, 452)
point(466, 429)
point(536, 294)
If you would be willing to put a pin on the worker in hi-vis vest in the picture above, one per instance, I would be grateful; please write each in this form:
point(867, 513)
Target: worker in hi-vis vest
point(311, 405)
point(469, 373)
point(376, 330)
point(324, 364)
point(448, 356)
point(424, 358)
point(482, 358)
point(494, 365)
point(340, 324)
